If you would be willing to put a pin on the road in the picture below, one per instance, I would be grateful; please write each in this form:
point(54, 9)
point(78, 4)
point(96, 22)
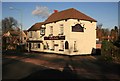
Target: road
point(15, 69)
point(54, 66)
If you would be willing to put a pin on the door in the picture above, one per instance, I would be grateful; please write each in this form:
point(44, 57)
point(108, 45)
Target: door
point(66, 45)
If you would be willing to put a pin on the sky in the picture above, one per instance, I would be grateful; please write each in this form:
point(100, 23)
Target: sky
point(104, 12)
point(118, 14)
point(60, 0)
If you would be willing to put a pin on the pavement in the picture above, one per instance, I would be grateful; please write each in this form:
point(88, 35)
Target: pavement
point(83, 67)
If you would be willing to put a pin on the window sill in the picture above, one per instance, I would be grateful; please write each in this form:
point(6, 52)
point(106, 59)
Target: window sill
point(52, 49)
point(61, 34)
point(75, 51)
point(61, 50)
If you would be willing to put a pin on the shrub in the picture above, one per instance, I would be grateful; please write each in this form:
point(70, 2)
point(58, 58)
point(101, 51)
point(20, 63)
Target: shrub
point(109, 51)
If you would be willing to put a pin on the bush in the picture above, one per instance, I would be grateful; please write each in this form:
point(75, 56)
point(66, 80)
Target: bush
point(109, 51)
point(117, 43)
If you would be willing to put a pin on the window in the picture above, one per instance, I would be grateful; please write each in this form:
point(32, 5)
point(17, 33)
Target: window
point(42, 31)
point(75, 46)
point(61, 46)
point(35, 45)
point(47, 46)
point(32, 45)
point(38, 45)
point(29, 46)
point(51, 30)
point(30, 34)
point(24, 38)
point(61, 29)
point(52, 45)
point(61, 24)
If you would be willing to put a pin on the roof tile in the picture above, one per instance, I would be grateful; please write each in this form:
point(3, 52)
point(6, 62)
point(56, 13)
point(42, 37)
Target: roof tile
point(68, 14)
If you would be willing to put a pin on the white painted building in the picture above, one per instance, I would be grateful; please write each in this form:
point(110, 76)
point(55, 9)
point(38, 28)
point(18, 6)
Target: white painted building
point(66, 32)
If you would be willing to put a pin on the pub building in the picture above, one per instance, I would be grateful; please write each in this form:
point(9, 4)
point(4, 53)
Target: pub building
point(69, 32)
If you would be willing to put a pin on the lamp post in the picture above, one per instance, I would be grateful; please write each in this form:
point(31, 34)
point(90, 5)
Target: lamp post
point(12, 8)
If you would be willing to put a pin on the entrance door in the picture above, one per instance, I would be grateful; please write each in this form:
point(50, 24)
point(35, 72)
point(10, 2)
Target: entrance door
point(29, 46)
point(66, 45)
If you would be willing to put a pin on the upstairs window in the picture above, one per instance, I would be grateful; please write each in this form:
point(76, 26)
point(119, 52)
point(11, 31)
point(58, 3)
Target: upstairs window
point(61, 29)
point(77, 28)
point(42, 31)
point(51, 30)
point(30, 34)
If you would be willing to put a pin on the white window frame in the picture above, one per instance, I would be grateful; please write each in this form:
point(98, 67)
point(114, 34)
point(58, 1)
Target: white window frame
point(51, 30)
point(42, 31)
point(31, 34)
point(61, 29)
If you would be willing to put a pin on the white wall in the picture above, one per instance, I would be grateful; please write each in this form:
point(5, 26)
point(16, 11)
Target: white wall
point(35, 35)
point(85, 40)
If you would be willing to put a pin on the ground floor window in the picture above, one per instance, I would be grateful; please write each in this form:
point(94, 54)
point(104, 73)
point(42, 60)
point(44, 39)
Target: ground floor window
point(32, 45)
point(52, 45)
point(47, 45)
point(61, 46)
point(75, 46)
point(29, 45)
point(24, 38)
point(35, 45)
point(38, 45)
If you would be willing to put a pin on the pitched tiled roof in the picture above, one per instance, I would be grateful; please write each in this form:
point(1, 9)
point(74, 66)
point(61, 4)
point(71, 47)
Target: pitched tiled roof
point(68, 14)
point(11, 33)
point(25, 31)
point(14, 33)
point(36, 26)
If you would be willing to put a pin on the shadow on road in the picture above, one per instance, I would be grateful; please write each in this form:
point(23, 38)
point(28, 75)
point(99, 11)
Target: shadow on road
point(67, 73)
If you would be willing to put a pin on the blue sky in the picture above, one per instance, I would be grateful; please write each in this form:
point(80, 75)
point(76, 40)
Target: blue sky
point(104, 12)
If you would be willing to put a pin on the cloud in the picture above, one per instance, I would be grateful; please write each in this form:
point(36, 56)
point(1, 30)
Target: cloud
point(41, 11)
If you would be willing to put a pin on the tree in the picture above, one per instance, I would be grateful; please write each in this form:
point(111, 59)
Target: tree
point(115, 33)
point(102, 33)
point(99, 31)
point(117, 36)
point(9, 23)
point(106, 32)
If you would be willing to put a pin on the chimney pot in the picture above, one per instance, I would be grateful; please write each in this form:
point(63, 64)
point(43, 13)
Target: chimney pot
point(55, 11)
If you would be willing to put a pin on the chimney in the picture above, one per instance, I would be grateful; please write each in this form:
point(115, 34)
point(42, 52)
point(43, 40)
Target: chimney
point(55, 11)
